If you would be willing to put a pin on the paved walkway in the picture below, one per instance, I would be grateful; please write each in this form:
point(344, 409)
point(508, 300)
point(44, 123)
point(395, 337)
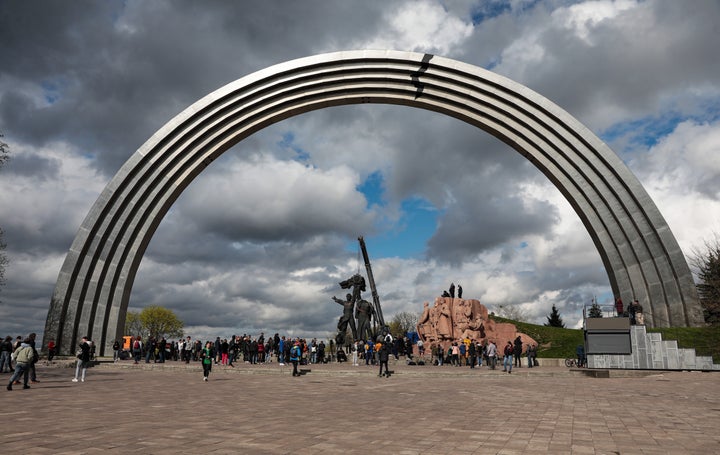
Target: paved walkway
point(331, 409)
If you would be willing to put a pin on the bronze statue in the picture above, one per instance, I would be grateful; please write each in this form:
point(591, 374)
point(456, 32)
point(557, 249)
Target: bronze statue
point(363, 313)
point(357, 283)
point(345, 319)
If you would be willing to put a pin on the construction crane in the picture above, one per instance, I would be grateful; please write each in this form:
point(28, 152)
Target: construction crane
point(376, 299)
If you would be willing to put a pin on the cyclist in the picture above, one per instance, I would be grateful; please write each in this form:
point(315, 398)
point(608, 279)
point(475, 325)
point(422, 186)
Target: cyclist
point(580, 352)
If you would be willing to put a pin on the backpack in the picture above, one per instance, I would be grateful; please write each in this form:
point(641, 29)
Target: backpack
point(136, 345)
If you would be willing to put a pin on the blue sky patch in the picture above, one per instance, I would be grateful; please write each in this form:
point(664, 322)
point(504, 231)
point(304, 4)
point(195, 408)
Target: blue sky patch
point(373, 189)
point(405, 237)
point(51, 91)
point(288, 142)
point(648, 131)
point(488, 10)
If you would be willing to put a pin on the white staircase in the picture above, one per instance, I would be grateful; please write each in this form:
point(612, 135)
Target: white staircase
point(651, 352)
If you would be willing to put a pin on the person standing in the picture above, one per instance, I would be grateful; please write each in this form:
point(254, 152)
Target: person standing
point(472, 353)
point(207, 356)
point(83, 359)
point(383, 356)
point(508, 357)
point(295, 355)
point(530, 355)
point(6, 348)
point(116, 351)
point(355, 348)
point(281, 351)
point(161, 350)
point(188, 349)
point(481, 353)
point(518, 351)
point(619, 306)
point(137, 349)
point(51, 350)
point(638, 310)
point(369, 352)
point(492, 355)
point(150, 345)
point(224, 351)
point(232, 349)
point(31, 341)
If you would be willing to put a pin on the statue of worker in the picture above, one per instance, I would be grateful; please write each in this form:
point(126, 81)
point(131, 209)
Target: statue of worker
point(363, 313)
point(347, 316)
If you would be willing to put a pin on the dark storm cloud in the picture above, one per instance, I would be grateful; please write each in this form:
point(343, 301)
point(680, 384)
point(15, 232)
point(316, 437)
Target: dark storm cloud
point(623, 60)
point(487, 216)
point(34, 166)
point(116, 72)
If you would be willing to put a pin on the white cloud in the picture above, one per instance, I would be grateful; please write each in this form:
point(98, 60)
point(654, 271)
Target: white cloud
point(266, 197)
point(421, 26)
point(582, 17)
point(682, 175)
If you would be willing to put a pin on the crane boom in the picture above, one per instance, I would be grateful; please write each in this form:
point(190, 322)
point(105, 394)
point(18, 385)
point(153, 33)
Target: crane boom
point(371, 279)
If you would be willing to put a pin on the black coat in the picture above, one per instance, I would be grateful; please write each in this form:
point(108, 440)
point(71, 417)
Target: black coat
point(85, 352)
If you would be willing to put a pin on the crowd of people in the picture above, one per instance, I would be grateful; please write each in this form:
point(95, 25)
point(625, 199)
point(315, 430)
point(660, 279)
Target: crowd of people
point(20, 355)
point(472, 353)
point(252, 350)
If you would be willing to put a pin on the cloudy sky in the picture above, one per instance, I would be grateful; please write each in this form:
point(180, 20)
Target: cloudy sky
point(260, 240)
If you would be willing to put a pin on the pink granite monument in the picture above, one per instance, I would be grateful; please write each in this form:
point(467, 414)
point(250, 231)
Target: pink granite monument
point(454, 319)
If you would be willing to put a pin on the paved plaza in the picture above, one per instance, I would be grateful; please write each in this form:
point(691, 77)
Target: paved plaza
point(338, 408)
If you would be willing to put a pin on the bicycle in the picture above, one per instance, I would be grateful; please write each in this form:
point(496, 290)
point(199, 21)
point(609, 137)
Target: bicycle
point(572, 363)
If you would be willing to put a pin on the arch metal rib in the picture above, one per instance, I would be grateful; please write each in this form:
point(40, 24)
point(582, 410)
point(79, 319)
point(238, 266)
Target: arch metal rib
point(642, 258)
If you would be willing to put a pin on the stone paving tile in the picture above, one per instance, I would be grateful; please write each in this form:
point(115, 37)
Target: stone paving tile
point(340, 409)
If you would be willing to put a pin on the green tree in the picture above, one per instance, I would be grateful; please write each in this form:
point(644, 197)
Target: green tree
point(705, 262)
point(4, 157)
point(595, 311)
point(554, 319)
point(160, 322)
point(513, 312)
point(133, 325)
point(403, 323)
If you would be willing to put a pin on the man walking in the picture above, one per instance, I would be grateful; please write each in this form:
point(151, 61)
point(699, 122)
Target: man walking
point(23, 360)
